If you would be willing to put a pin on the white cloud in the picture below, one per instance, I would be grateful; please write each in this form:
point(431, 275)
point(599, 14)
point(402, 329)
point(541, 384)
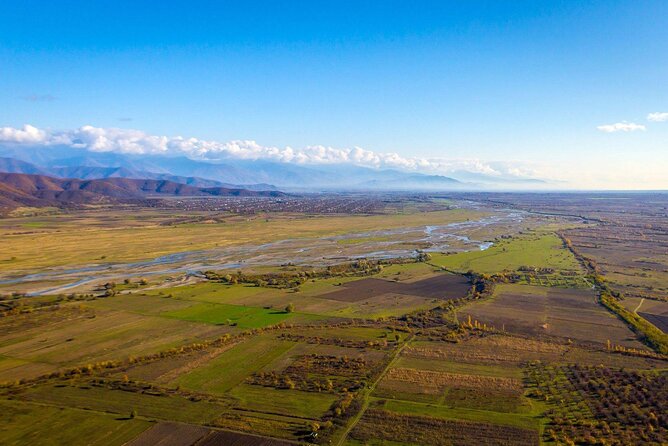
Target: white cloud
point(137, 142)
point(621, 127)
point(27, 135)
point(658, 117)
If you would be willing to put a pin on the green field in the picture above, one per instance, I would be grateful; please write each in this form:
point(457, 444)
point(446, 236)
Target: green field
point(223, 314)
point(37, 424)
point(75, 335)
point(408, 272)
point(458, 367)
point(232, 366)
point(539, 250)
point(510, 419)
point(211, 292)
point(354, 333)
point(143, 304)
point(102, 399)
point(286, 402)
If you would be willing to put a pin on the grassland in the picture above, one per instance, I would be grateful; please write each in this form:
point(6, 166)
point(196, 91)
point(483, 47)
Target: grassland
point(442, 365)
point(211, 292)
point(83, 395)
point(73, 336)
point(232, 366)
point(537, 250)
point(530, 422)
point(223, 314)
point(102, 237)
point(409, 272)
point(308, 405)
point(38, 424)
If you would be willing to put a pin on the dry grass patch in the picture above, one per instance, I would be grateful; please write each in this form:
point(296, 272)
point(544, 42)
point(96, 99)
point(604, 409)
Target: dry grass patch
point(101, 335)
point(442, 379)
point(414, 429)
point(496, 349)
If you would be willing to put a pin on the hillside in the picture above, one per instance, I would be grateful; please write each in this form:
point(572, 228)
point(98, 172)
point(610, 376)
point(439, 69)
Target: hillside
point(17, 189)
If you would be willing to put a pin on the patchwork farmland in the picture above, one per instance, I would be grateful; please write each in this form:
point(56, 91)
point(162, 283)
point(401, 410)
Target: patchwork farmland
point(443, 345)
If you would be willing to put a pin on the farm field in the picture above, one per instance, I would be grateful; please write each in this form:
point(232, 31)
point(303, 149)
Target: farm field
point(171, 433)
point(630, 255)
point(466, 334)
point(459, 385)
point(98, 397)
point(537, 311)
point(533, 250)
point(64, 426)
point(187, 435)
point(443, 286)
point(218, 314)
point(418, 429)
point(654, 311)
point(236, 362)
point(74, 335)
point(392, 294)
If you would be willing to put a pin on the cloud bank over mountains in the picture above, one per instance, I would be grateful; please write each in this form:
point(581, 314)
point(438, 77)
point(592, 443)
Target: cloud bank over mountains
point(136, 142)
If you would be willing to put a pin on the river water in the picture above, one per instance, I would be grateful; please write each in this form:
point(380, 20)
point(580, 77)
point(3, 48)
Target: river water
point(384, 244)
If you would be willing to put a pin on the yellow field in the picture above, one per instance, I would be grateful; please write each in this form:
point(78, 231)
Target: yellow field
point(101, 237)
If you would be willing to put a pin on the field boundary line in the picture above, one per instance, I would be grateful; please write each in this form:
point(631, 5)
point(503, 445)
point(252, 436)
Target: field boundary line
point(367, 394)
point(639, 305)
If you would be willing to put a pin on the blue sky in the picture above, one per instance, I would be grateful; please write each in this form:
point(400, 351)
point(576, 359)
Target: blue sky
point(525, 83)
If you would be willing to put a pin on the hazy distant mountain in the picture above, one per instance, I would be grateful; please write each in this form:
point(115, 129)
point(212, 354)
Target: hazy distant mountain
point(249, 174)
point(11, 165)
point(415, 182)
point(17, 189)
point(91, 173)
point(499, 180)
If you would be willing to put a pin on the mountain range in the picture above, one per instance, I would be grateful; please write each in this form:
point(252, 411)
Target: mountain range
point(65, 162)
point(20, 189)
point(99, 171)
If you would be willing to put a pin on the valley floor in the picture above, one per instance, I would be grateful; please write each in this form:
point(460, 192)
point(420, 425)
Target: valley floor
point(471, 324)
